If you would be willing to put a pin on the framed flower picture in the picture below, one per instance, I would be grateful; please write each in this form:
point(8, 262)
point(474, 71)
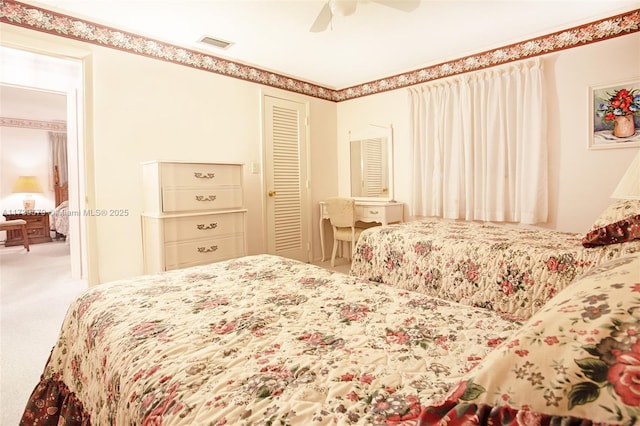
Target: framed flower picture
point(615, 115)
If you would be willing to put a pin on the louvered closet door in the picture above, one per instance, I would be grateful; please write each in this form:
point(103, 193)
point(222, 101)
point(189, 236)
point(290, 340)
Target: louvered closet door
point(288, 216)
point(372, 150)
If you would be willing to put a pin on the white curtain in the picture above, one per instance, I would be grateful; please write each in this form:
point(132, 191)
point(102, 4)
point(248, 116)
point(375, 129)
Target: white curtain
point(479, 146)
point(58, 155)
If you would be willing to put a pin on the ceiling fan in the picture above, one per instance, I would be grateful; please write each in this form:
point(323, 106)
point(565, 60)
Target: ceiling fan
point(348, 7)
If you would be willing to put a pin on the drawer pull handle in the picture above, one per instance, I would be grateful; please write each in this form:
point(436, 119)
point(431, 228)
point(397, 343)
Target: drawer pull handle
point(204, 175)
point(204, 227)
point(207, 250)
point(373, 211)
point(203, 198)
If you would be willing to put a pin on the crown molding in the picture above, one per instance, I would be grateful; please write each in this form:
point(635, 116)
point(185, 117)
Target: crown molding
point(55, 126)
point(43, 20)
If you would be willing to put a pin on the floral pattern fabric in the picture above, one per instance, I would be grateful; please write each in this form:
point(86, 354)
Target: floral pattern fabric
point(60, 219)
point(512, 270)
point(619, 223)
point(257, 340)
point(577, 358)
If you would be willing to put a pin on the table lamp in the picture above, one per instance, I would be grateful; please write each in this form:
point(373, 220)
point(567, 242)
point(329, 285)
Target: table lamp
point(27, 185)
point(629, 186)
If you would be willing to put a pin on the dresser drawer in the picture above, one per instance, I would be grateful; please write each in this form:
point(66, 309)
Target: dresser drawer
point(204, 226)
point(189, 253)
point(192, 214)
point(200, 175)
point(183, 200)
point(370, 213)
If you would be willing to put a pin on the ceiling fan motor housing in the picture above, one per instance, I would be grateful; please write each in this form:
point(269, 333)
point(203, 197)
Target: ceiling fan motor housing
point(343, 7)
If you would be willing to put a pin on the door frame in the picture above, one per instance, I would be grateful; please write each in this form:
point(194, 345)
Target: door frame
point(306, 202)
point(84, 256)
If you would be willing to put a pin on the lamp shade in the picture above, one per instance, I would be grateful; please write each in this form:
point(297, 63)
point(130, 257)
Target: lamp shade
point(27, 184)
point(629, 186)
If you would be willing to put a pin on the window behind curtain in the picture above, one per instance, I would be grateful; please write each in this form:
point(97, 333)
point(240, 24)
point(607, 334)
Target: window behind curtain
point(479, 146)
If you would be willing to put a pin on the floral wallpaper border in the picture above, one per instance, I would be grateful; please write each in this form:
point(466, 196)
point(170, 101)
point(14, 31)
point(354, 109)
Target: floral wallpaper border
point(58, 126)
point(39, 19)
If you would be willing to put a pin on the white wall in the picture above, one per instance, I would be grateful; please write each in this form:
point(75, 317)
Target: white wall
point(141, 109)
point(24, 152)
point(581, 180)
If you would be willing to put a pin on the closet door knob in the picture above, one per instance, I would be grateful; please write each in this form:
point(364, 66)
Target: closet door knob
point(272, 193)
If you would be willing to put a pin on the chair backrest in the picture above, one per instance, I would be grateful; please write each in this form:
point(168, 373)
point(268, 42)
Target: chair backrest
point(342, 211)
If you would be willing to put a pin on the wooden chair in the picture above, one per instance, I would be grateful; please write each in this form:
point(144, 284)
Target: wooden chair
point(17, 225)
point(342, 215)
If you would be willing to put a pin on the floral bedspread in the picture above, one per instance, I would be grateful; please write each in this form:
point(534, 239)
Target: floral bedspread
point(575, 362)
point(511, 270)
point(60, 219)
point(257, 340)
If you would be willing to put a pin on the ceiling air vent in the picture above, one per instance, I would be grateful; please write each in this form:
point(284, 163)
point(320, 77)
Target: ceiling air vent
point(222, 44)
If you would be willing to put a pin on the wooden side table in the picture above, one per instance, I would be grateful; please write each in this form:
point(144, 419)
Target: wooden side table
point(38, 229)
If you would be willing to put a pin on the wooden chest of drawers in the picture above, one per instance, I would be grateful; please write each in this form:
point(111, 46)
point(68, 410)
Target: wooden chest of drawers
point(37, 228)
point(193, 214)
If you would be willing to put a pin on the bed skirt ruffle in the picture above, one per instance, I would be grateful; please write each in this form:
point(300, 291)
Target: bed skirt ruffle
point(52, 404)
point(452, 413)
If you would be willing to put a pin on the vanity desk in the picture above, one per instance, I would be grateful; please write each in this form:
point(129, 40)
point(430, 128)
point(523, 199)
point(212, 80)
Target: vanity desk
point(383, 212)
point(371, 179)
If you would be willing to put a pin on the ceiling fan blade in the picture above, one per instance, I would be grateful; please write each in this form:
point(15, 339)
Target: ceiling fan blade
point(322, 20)
point(403, 5)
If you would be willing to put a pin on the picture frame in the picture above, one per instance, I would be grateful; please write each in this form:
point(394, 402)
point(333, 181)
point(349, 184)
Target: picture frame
point(609, 127)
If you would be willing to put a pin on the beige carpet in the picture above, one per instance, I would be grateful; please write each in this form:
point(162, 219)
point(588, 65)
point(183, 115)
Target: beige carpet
point(35, 290)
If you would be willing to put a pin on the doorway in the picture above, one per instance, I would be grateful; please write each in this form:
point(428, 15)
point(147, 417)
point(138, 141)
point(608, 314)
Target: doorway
point(34, 73)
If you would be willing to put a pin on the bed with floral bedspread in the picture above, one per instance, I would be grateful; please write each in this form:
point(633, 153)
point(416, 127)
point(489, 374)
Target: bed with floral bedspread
point(60, 220)
point(575, 362)
point(255, 341)
point(512, 270)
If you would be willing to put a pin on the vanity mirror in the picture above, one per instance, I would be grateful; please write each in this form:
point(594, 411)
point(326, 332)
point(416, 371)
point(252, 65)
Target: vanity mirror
point(371, 166)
